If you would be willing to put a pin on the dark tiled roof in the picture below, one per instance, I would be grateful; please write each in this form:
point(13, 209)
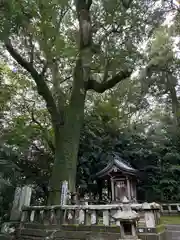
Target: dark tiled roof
point(118, 163)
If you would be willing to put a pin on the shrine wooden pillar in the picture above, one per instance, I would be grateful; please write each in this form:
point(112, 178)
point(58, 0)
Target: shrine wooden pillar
point(99, 189)
point(128, 188)
point(112, 189)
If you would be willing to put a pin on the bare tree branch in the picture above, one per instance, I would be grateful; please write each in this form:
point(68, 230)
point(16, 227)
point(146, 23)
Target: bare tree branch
point(42, 87)
point(102, 87)
point(65, 79)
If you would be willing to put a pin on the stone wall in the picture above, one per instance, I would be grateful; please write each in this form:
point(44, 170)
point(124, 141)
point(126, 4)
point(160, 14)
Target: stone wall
point(87, 222)
point(76, 232)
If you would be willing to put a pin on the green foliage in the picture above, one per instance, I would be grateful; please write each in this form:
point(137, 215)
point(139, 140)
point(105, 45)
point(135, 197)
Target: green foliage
point(46, 34)
point(150, 147)
point(161, 48)
point(160, 228)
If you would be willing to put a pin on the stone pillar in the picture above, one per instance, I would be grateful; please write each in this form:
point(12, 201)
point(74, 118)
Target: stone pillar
point(81, 216)
point(149, 219)
point(106, 217)
point(64, 193)
point(148, 215)
point(25, 198)
point(133, 230)
point(93, 218)
point(122, 231)
point(15, 212)
point(22, 197)
point(87, 217)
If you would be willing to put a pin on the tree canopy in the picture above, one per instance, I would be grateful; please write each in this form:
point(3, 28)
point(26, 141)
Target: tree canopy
point(82, 79)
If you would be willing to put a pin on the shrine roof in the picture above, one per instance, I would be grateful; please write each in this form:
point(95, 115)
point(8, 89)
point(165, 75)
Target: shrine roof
point(117, 164)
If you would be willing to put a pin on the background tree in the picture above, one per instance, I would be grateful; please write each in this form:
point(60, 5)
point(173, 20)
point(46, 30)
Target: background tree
point(65, 62)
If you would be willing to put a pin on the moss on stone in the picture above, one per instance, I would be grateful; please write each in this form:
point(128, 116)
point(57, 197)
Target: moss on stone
point(160, 228)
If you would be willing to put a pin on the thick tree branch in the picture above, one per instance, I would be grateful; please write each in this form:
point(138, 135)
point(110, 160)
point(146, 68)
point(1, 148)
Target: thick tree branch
point(44, 69)
point(102, 87)
point(126, 3)
point(49, 142)
point(107, 63)
point(83, 4)
point(42, 87)
point(31, 53)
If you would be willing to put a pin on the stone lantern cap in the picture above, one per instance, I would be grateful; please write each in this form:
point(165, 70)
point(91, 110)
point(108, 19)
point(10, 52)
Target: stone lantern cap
point(127, 213)
point(150, 206)
point(155, 205)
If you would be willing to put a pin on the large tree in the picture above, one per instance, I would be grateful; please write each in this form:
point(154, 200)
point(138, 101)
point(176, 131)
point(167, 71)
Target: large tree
point(68, 50)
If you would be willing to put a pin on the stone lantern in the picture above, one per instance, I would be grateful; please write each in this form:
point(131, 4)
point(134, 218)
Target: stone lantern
point(127, 219)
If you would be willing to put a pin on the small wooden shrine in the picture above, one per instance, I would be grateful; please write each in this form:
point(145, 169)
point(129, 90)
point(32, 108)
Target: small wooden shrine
point(121, 179)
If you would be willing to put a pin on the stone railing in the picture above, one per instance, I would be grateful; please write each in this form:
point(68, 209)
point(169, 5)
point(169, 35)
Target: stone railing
point(79, 214)
point(69, 214)
point(170, 208)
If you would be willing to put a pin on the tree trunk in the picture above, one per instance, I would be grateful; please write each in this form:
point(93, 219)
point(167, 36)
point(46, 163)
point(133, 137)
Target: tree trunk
point(67, 125)
point(174, 99)
point(67, 139)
